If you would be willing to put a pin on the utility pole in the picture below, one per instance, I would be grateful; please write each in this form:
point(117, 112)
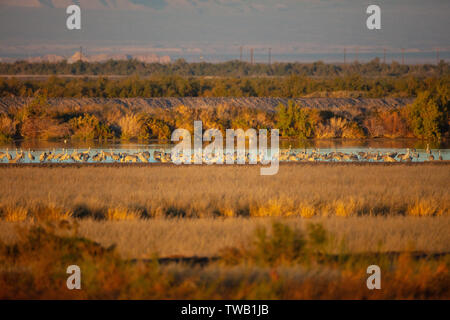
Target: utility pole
point(270, 56)
point(240, 53)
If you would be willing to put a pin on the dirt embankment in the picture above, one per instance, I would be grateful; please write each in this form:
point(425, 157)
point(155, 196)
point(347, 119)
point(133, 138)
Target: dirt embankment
point(143, 104)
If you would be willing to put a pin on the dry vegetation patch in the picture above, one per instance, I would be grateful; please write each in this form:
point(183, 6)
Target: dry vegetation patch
point(214, 191)
point(285, 264)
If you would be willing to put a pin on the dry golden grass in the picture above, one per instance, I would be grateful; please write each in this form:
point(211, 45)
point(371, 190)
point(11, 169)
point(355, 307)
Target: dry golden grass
point(121, 214)
point(426, 207)
point(390, 208)
point(14, 214)
point(191, 191)
point(207, 236)
point(286, 264)
point(35, 212)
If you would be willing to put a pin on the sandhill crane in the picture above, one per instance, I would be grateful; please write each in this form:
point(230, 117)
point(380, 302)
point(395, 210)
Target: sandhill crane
point(428, 149)
point(431, 157)
point(76, 156)
point(8, 155)
point(65, 156)
point(30, 155)
point(389, 158)
point(130, 158)
point(97, 157)
point(392, 154)
point(142, 157)
point(51, 155)
point(146, 154)
point(405, 157)
point(165, 157)
point(115, 156)
point(58, 156)
point(43, 157)
point(18, 157)
point(440, 156)
point(157, 155)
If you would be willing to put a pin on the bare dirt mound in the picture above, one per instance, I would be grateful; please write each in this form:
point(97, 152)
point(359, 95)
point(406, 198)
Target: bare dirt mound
point(270, 104)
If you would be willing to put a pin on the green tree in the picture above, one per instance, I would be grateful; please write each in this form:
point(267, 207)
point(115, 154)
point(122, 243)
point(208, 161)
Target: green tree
point(294, 120)
point(429, 113)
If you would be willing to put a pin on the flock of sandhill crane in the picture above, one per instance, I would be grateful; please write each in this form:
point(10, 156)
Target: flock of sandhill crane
point(76, 156)
point(288, 155)
point(377, 156)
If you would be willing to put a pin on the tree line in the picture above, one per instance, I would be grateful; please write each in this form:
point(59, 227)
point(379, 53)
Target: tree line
point(233, 68)
point(352, 86)
point(426, 118)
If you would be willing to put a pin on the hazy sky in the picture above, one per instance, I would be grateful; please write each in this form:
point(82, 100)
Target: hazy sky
point(220, 26)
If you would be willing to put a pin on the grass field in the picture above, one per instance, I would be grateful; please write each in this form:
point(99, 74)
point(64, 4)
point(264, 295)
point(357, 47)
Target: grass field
point(304, 190)
point(205, 237)
point(308, 232)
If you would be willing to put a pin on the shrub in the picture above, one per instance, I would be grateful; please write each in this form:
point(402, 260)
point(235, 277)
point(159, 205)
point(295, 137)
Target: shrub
point(318, 238)
point(88, 127)
point(389, 124)
point(394, 124)
point(284, 245)
point(332, 129)
point(7, 127)
point(352, 131)
point(154, 128)
point(338, 127)
point(428, 115)
point(44, 128)
point(294, 120)
point(130, 127)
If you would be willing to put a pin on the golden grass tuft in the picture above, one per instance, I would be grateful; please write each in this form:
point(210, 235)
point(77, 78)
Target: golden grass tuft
point(130, 126)
point(14, 214)
point(279, 207)
point(49, 212)
point(38, 212)
point(425, 208)
point(307, 210)
point(345, 208)
point(228, 212)
point(122, 214)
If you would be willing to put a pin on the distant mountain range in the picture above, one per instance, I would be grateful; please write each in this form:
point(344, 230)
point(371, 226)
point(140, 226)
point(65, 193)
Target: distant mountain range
point(88, 4)
point(118, 4)
point(52, 58)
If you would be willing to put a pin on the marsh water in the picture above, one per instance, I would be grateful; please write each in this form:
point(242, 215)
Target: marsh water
point(319, 146)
